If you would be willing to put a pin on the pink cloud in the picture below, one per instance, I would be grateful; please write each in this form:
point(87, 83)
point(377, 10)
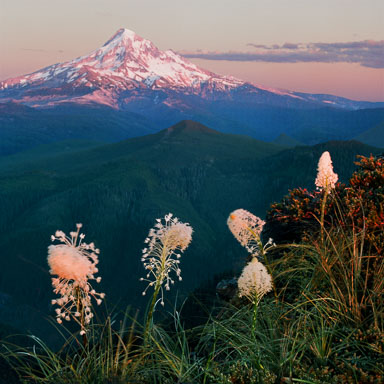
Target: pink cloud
point(368, 53)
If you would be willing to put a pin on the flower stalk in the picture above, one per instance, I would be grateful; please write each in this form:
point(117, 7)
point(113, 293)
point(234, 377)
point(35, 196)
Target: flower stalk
point(325, 181)
point(74, 263)
point(165, 243)
point(247, 229)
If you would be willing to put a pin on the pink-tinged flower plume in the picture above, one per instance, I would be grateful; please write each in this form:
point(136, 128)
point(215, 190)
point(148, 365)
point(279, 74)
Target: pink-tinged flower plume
point(246, 228)
point(326, 179)
point(165, 242)
point(255, 281)
point(74, 263)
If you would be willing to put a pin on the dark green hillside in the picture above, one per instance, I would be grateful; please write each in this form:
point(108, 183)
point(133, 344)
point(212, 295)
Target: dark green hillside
point(24, 159)
point(22, 127)
point(189, 142)
point(309, 126)
point(296, 167)
point(312, 127)
point(118, 190)
point(286, 141)
point(374, 136)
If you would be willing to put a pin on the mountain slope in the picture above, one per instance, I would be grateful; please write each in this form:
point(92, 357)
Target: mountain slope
point(373, 136)
point(286, 141)
point(127, 66)
point(22, 127)
point(125, 62)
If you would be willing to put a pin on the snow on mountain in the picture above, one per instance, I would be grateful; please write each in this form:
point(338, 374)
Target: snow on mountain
point(127, 66)
point(124, 62)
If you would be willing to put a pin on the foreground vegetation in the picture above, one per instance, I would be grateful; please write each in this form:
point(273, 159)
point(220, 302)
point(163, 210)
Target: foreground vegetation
point(313, 313)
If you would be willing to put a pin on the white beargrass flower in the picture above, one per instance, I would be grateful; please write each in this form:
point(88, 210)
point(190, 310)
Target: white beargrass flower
point(326, 179)
point(74, 263)
point(164, 243)
point(254, 282)
point(246, 228)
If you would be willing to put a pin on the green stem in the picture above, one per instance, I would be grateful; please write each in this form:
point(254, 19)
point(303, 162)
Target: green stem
point(150, 313)
point(254, 324)
point(322, 213)
point(80, 309)
point(254, 315)
point(159, 281)
point(264, 255)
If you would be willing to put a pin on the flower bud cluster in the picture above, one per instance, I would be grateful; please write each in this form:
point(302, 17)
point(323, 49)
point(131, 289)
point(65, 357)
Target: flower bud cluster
point(255, 281)
point(326, 179)
point(165, 242)
point(246, 228)
point(74, 263)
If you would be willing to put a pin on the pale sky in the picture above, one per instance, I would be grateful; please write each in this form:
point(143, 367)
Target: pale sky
point(38, 33)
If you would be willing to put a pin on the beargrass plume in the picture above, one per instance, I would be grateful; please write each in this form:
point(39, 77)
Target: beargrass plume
point(74, 263)
point(165, 243)
point(326, 179)
point(255, 281)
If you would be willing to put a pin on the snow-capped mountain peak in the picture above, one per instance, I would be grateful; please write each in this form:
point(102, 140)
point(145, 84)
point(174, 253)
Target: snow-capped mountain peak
point(127, 66)
point(125, 62)
point(123, 34)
